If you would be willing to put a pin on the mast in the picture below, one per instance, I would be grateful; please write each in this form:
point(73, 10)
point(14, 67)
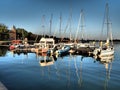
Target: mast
point(81, 21)
point(108, 24)
point(70, 24)
point(50, 25)
point(43, 25)
point(76, 36)
point(82, 24)
point(107, 21)
point(60, 24)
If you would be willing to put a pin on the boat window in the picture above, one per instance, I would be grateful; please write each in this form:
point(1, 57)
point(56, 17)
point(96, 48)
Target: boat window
point(50, 46)
point(49, 42)
point(42, 42)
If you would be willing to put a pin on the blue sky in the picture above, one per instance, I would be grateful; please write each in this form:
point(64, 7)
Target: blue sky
point(28, 14)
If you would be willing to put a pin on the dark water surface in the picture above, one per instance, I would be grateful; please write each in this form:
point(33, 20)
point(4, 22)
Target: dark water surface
point(72, 72)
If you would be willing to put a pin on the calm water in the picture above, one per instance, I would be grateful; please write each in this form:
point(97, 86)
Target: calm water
point(72, 72)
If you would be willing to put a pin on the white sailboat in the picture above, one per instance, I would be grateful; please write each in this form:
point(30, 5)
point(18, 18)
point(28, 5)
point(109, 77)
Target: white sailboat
point(45, 43)
point(83, 47)
point(106, 49)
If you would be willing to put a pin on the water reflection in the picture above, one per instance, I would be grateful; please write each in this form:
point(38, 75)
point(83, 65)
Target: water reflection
point(108, 67)
point(77, 71)
point(72, 71)
point(80, 80)
point(107, 62)
point(68, 72)
point(57, 71)
point(19, 53)
point(3, 50)
point(47, 60)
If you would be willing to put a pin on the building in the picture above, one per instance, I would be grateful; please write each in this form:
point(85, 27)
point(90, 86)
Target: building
point(12, 33)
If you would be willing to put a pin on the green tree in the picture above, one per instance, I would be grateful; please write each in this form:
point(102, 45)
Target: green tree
point(3, 28)
point(4, 33)
point(22, 33)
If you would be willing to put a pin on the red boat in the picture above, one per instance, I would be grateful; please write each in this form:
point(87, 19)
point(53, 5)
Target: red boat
point(12, 47)
point(14, 44)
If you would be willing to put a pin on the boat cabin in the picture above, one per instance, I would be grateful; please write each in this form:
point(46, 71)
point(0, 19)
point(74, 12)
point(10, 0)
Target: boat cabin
point(16, 41)
point(47, 42)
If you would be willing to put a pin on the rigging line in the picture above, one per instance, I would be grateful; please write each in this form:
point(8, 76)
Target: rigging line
point(77, 29)
point(82, 24)
point(65, 30)
point(43, 27)
point(107, 13)
point(68, 26)
point(50, 24)
point(55, 32)
point(111, 34)
point(101, 36)
point(60, 24)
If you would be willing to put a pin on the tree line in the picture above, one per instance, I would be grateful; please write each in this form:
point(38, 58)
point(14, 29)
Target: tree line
point(21, 33)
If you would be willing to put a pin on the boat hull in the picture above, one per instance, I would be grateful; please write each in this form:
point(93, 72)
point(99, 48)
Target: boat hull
point(63, 51)
point(107, 59)
point(105, 53)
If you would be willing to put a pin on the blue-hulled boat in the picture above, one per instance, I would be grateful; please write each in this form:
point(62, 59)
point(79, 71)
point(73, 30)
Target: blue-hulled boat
point(63, 51)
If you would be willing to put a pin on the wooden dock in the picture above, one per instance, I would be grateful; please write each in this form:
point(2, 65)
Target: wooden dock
point(4, 45)
point(24, 50)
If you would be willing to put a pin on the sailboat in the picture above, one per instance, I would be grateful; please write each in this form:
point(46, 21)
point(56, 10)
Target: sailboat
point(82, 46)
point(106, 49)
point(45, 43)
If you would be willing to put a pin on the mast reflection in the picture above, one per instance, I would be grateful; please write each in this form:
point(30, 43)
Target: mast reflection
point(79, 75)
point(47, 60)
point(107, 62)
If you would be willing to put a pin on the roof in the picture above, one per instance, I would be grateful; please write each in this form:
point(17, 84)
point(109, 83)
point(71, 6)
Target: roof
point(47, 39)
